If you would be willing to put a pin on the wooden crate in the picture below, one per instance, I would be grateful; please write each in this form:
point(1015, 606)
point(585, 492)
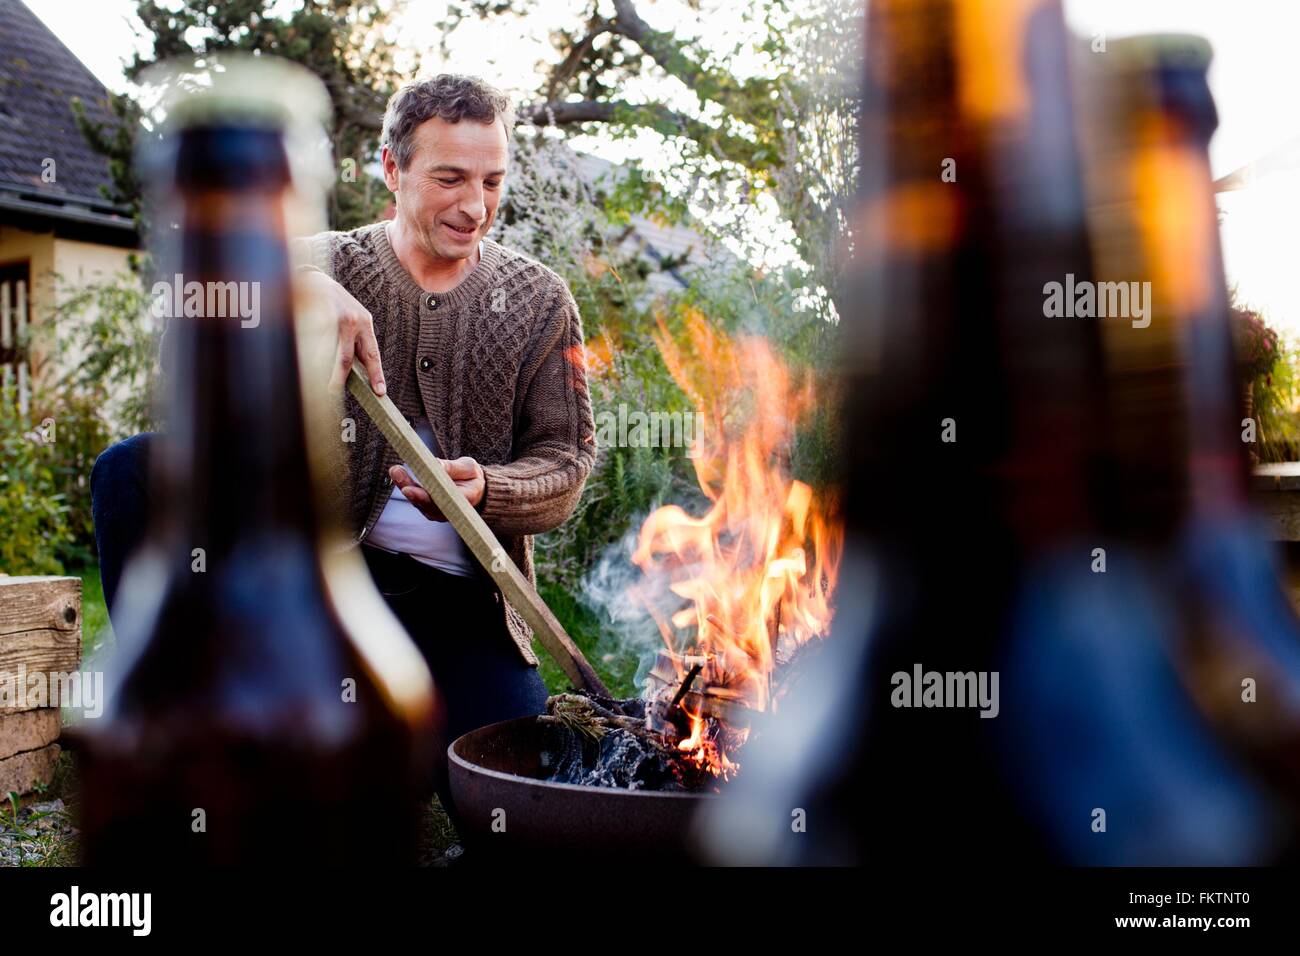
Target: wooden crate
point(40, 633)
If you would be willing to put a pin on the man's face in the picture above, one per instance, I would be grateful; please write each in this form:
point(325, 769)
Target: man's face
point(449, 192)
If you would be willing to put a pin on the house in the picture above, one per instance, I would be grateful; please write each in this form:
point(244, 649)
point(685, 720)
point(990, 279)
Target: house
point(56, 226)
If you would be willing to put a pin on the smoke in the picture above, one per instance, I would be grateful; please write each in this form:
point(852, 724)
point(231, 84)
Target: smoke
point(624, 597)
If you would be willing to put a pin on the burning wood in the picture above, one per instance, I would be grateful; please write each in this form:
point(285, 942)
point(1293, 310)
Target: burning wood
point(756, 572)
point(607, 743)
point(755, 575)
point(666, 740)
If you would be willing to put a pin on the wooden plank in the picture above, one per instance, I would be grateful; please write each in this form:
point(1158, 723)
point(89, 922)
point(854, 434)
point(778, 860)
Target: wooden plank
point(24, 389)
point(20, 313)
point(478, 537)
point(1281, 512)
point(29, 730)
point(37, 652)
point(1275, 492)
point(22, 772)
point(39, 603)
point(6, 327)
point(1281, 476)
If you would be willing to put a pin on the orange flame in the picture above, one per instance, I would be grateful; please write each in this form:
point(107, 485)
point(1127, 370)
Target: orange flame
point(758, 570)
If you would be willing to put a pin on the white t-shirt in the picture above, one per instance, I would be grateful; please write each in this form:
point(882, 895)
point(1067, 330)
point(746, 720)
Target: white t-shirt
point(403, 529)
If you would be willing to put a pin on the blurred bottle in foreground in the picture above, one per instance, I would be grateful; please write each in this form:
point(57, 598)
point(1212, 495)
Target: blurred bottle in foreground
point(1228, 629)
point(975, 441)
point(1020, 508)
point(264, 700)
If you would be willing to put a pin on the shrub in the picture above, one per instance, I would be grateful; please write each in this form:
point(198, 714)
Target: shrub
point(33, 510)
point(108, 343)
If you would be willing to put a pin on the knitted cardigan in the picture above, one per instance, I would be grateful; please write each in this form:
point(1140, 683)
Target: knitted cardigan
point(496, 365)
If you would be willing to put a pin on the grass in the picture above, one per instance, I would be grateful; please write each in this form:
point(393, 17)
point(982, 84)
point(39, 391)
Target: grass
point(616, 666)
point(95, 628)
point(38, 845)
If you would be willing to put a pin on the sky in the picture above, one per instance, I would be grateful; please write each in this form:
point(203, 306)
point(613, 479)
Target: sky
point(1254, 77)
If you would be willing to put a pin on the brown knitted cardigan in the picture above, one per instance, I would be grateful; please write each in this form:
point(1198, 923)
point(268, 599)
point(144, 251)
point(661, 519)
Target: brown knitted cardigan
point(496, 365)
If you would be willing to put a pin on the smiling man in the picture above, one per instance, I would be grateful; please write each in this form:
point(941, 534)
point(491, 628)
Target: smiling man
point(481, 348)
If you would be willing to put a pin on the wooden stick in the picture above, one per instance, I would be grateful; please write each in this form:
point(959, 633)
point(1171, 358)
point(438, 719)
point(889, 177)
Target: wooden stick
point(687, 681)
point(478, 537)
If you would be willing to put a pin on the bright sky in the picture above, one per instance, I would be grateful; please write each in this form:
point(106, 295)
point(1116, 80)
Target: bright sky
point(1254, 76)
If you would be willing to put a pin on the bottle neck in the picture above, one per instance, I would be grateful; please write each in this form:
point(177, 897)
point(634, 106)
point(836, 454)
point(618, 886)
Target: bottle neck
point(233, 458)
point(1188, 336)
point(963, 249)
point(1180, 238)
point(1170, 375)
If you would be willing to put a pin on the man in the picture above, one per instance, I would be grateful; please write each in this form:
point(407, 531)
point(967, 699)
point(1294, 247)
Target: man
point(481, 349)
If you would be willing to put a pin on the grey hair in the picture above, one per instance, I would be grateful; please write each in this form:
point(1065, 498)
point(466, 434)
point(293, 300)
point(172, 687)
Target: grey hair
point(448, 96)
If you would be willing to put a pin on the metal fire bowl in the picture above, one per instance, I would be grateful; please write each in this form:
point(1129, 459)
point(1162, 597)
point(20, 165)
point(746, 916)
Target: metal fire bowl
point(496, 778)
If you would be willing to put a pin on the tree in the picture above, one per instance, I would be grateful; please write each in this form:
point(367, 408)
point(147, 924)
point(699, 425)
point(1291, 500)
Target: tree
point(341, 41)
point(787, 130)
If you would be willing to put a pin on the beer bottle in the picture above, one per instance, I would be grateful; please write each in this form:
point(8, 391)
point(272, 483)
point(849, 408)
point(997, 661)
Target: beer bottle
point(974, 436)
point(1157, 217)
point(993, 529)
point(266, 703)
point(1119, 760)
point(979, 493)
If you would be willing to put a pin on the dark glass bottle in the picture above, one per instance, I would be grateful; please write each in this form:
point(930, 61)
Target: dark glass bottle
point(1047, 497)
point(980, 476)
point(1239, 622)
point(972, 455)
point(253, 715)
point(1129, 759)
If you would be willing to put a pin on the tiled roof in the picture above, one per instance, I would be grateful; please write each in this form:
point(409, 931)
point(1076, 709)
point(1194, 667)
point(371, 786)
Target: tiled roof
point(38, 77)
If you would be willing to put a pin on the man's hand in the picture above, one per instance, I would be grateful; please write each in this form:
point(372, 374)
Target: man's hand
point(356, 332)
point(465, 472)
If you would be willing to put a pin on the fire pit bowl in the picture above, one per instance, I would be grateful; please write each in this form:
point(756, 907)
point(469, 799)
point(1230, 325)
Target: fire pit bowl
point(504, 807)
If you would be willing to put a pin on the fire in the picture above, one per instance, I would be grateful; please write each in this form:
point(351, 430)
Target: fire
point(757, 571)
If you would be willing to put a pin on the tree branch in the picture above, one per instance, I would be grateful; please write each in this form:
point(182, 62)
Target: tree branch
point(652, 115)
point(568, 68)
point(656, 116)
point(660, 47)
point(739, 96)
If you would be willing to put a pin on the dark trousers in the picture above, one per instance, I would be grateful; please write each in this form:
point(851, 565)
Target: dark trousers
point(457, 622)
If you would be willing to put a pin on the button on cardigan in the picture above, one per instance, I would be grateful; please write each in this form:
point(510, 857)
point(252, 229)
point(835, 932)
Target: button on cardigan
point(496, 366)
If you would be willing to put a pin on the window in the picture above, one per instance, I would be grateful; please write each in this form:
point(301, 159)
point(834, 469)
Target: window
point(15, 371)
